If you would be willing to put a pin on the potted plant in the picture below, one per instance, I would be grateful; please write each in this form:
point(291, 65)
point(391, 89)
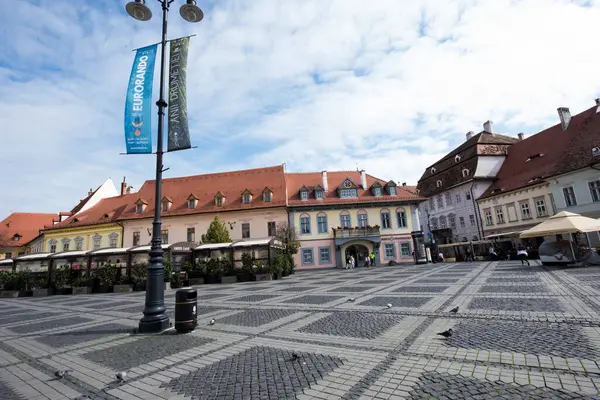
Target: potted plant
point(213, 272)
point(82, 286)
point(61, 279)
point(10, 284)
point(167, 274)
point(175, 281)
point(41, 287)
point(195, 272)
point(229, 272)
point(262, 272)
point(104, 278)
point(123, 284)
point(139, 272)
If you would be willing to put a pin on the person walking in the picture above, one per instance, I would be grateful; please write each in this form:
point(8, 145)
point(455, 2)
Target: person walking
point(367, 260)
point(469, 254)
point(522, 255)
point(372, 257)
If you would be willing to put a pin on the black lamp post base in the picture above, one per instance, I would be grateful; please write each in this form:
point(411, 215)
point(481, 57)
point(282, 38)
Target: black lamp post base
point(154, 325)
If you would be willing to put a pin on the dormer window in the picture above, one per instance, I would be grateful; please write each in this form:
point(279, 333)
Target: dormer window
point(392, 190)
point(219, 199)
point(191, 203)
point(105, 216)
point(319, 194)
point(267, 195)
point(465, 172)
point(377, 191)
point(457, 159)
point(166, 204)
point(533, 157)
point(304, 195)
point(432, 170)
point(438, 184)
point(17, 237)
point(348, 193)
point(246, 197)
point(140, 206)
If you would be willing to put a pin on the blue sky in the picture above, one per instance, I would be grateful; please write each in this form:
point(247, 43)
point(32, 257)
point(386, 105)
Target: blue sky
point(388, 86)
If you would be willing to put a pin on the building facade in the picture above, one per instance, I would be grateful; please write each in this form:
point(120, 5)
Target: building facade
point(250, 202)
point(453, 184)
point(341, 214)
point(19, 230)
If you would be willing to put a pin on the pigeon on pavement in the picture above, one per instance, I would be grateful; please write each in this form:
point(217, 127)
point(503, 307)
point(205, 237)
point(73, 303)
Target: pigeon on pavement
point(60, 374)
point(454, 310)
point(351, 299)
point(294, 356)
point(389, 305)
point(212, 322)
point(121, 376)
point(446, 333)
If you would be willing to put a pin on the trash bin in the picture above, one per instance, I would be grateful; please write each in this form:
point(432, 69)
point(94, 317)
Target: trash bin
point(186, 316)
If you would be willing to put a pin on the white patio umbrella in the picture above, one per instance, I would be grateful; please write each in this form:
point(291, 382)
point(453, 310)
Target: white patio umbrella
point(562, 223)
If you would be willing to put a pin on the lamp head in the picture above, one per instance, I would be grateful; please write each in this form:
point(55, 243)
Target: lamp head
point(139, 10)
point(191, 12)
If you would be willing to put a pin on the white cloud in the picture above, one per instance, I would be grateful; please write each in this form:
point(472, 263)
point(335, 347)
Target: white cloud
point(387, 86)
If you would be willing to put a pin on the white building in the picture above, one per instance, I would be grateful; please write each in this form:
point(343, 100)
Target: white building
point(453, 184)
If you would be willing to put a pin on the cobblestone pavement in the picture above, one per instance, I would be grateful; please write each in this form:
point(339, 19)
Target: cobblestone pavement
point(520, 333)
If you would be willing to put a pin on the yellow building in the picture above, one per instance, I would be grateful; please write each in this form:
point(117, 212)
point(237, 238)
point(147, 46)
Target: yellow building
point(358, 216)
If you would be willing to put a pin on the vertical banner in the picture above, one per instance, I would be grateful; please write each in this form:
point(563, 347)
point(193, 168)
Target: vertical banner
point(138, 106)
point(179, 133)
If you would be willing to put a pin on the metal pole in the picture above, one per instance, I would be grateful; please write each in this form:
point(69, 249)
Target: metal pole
point(154, 319)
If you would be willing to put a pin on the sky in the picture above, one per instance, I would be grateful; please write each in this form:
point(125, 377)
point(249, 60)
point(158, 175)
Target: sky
point(387, 86)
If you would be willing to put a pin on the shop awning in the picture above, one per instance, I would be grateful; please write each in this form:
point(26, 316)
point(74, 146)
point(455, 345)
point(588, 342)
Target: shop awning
point(33, 257)
point(213, 246)
point(109, 251)
point(497, 235)
point(145, 249)
point(6, 263)
point(69, 254)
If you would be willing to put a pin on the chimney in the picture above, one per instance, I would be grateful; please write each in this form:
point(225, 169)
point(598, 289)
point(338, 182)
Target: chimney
point(598, 104)
point(521, 136)
point(565, 117)
point(90, 192)
point(123, 187)
point(324, 179)
point(470, 134)
point(363, 179)
point(487, 126)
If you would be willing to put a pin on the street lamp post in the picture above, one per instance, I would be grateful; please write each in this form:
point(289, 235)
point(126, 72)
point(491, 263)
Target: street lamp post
point(155, 319)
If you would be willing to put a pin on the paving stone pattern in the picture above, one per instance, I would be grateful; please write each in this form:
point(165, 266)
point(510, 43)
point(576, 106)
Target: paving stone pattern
point(70, 338)
point(351, 289)
point(314, 299)
point(420, 289)
point(355, 325)
point(433, 280)
point(513, 280)
point(255, 318)
point(514, 289)
point(515, 304)
point(7, 393)
point(51, 324)
point(446, 386)
point(109, 305)
point(143, 351)
point(560, 340)
point(254, 298)
point(23, 317)
point(257, 373)
point(383, 301)
point(296, 289)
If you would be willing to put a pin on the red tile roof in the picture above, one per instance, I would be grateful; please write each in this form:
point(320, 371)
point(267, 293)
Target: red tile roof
point(26, 225)
point(542, 155)
point(578, 152)
point(178, 190)
point(313, 179)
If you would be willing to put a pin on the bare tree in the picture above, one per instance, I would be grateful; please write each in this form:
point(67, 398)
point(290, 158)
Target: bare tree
point(288, 236)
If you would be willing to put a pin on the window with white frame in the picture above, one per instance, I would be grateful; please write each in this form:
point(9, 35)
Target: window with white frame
point(348, 193)
point(267, 196)
point(345, 220)
point(499, 215)
point(443, 224)
point(386, 219)
point(569, 195)
point(304, 195)
point(322, 223)
point(164, 236)
point(452, 221)
point(246, 230)
point(525, 210)
point(305, 225)
point(431, 203)
point(97, 241)
point(191, 234)
point(246, 198)
point(448, 199)
point(434, 223)
point(113, 240)
point(461, 221)
point(136, 238)
point(540, 207)
point(191, 203)
point(405, 250)
point(363, 219)
point(458, 198)
point(392, 190)
point(139, 208)
point(440, 202)
point(389, 251)
point(401, 218)
point(489, 220)
point(552, 203)
point(272, 228)
point(472, 220)
point(595, 190)
point(319, 195)
point(307, 257)
point(377, 191)
point(78, 243)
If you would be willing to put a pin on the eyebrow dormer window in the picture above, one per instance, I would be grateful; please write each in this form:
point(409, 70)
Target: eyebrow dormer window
point(439, 183)
point(457, 159)
point(465, 172)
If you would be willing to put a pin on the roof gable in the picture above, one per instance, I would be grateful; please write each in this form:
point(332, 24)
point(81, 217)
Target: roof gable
point(347, 184)
point(25, 226)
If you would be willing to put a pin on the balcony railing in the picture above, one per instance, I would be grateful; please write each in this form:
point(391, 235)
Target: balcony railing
point(340, 232)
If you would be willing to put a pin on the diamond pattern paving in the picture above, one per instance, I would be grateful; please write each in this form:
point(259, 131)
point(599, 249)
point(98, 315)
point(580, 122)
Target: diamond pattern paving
point(51, 324)
point(255, 318)
point(514, 289)
point(145, 350)
point(515, 304)
point(445, 386)
point(257, 373)
point(420, 289)
point(70, 338)
point(296, 289)
point(351, 289)
point(440, 280)
point(355, 325)
point(313, 299)
point(406, 302)
point(6, 393)
point(112, 304)
point(528, 279)
point(23, 317)
point(255, 298)
point(558, 340)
